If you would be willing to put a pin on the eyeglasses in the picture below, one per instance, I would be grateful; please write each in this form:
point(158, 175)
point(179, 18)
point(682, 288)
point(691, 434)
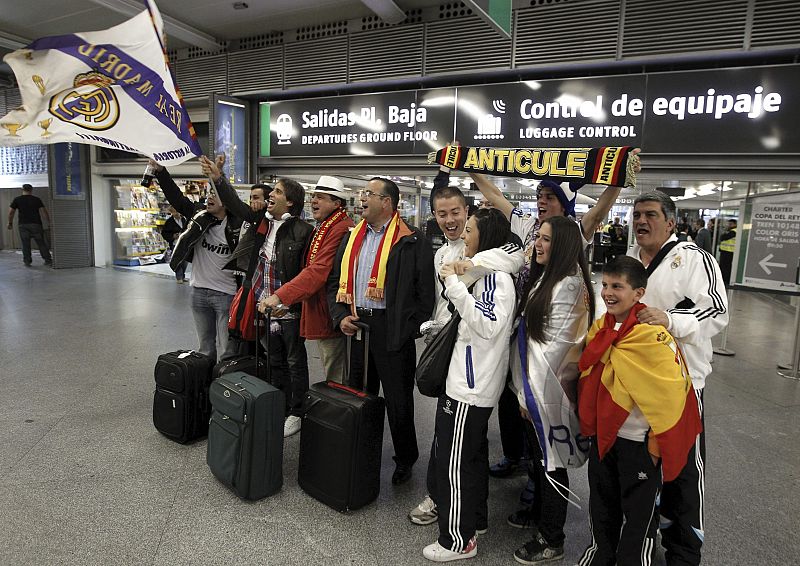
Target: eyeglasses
point(365, 194)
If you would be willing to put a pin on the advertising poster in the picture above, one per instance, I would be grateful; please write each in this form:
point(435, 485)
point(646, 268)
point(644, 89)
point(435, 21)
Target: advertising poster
point(230, 136)
point(68, 182)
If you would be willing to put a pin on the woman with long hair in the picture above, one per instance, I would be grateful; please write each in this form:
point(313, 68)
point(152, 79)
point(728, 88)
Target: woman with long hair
point(458, 471)
point(556, 311)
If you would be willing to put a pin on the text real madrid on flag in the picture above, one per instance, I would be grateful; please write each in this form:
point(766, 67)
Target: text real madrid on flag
point(111, 88)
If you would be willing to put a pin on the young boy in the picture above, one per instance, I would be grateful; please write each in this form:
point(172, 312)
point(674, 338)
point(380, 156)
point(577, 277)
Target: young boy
point(637, 406)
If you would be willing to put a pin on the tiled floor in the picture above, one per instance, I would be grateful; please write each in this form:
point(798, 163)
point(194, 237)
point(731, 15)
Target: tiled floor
point(87, 480)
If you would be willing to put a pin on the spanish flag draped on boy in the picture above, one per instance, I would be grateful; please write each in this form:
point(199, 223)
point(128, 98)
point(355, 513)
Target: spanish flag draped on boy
point(638, 364)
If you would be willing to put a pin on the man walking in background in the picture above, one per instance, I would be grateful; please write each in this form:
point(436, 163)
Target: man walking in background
point(30, 224)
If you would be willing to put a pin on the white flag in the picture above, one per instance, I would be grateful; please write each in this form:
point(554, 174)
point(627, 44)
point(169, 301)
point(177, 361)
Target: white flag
point(111, 88)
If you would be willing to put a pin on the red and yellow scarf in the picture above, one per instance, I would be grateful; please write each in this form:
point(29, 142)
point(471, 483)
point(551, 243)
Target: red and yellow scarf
point(320, 233)
point(395, 230)
point(638, 364)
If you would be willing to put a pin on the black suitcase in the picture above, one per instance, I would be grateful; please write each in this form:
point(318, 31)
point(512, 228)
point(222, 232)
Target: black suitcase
point(245, 435)
point(341, 442)
point(180, 402)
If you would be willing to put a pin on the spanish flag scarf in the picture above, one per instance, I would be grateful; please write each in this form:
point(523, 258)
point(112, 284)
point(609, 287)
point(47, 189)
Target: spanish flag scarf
point(395, 230)
point(320, 233)
point(613, 166)
point(638, 364)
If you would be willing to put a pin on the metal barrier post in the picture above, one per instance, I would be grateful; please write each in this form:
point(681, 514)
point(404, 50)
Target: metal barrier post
point(792, 371)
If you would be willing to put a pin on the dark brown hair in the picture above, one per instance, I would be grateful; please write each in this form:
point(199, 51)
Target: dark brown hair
point(566, 253)
point(629, 269)
point(493, 228)
point(295, 193)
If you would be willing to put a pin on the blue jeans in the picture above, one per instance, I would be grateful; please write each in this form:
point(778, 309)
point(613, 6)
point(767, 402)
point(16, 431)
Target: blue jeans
point(35, 231)
point(210, 310)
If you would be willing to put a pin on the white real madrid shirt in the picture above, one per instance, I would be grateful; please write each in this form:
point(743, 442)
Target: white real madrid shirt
point(211, 253)
point(687, 284)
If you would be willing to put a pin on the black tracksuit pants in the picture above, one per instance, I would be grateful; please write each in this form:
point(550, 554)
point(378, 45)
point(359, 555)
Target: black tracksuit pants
point(549, 510)
point(458, 471)
point(681, 508)
point(394, 371)
point(623, 490)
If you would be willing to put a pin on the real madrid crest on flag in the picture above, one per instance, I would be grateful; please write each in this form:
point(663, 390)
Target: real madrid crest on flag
point(111, 88)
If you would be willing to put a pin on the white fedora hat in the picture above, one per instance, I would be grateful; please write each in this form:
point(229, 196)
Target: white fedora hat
point(332, 186)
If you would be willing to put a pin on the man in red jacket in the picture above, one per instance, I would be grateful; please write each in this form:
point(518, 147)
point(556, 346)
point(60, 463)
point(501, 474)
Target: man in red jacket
point(329, 208)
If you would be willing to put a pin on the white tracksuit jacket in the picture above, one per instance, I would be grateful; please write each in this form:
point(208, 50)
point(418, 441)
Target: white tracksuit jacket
point(689, 272)
point(477, 373)
point(508, 259)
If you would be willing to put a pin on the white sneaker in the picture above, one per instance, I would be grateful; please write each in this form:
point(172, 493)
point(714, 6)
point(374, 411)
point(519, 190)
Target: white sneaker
point(425, 513)
point(291, 425)
point(437, 553)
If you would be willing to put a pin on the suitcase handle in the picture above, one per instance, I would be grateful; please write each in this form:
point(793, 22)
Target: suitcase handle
point(267, 321)
point(364, 327)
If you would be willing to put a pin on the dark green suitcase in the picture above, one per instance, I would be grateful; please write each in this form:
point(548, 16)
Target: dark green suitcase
point(245, 435)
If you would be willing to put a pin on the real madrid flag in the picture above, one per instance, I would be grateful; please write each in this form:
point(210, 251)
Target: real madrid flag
point(111, 88)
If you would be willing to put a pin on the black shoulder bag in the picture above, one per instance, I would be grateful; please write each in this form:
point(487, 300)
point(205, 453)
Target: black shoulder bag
point(434, 362)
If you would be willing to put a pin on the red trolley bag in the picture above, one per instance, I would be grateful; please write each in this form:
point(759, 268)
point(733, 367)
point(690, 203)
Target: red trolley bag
point(341, 441)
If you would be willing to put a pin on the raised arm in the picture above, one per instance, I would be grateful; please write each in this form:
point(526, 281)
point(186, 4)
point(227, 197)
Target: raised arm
point(175, 197)
point(607, 199)
point(493, 194)
point(227, 195)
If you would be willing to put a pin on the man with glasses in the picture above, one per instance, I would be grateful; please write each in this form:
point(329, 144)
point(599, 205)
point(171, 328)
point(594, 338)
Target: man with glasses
point(383, 276)
point(329, 209)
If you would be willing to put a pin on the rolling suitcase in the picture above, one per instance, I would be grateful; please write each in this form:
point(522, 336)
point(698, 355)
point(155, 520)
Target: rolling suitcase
point(245, 434)
point(341, 442)
point(180, 402)
point(244, 363)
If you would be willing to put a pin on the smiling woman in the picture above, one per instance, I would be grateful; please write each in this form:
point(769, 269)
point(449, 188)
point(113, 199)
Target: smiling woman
point(556, 311)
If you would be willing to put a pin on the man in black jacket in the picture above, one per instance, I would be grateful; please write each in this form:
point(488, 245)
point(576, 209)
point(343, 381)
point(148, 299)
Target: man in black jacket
point(208, 242)
point(385, 280)
point(278, 237)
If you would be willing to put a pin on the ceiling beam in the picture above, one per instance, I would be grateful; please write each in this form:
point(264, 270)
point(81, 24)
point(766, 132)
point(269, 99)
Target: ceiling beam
point(11, 41)
point(173, 27)
point(386, 10)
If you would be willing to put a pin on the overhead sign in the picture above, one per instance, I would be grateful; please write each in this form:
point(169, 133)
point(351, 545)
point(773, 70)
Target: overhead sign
point(688, 112)
point(773, 246)
point(559, 113)
point(394, 123)
point(707, 111)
